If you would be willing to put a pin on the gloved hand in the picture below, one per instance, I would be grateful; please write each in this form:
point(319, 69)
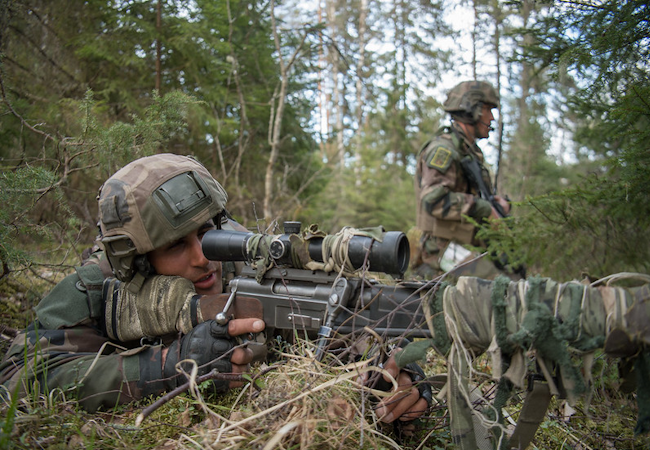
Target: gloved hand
point(209, 345)
point(410, 399)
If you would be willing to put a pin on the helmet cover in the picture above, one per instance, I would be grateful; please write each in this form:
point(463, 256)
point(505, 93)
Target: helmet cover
point(466, 98)
point(151, 202)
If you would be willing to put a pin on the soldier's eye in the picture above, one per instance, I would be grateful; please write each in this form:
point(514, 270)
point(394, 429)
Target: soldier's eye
point(175, 245)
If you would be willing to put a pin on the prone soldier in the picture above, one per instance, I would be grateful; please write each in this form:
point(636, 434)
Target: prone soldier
point(131, 318)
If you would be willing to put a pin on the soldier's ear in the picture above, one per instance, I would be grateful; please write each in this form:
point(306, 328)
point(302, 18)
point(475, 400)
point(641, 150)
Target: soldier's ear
point(477, 111)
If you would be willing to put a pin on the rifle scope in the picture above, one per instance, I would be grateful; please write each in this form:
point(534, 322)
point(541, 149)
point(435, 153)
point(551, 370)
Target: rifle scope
point(391, 255)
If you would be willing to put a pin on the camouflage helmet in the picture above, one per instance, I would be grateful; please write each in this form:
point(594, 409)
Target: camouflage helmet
point(465, 100)
point(151, 202)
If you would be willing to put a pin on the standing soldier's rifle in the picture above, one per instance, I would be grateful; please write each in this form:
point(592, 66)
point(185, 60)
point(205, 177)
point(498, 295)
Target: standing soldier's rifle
point(474, 174)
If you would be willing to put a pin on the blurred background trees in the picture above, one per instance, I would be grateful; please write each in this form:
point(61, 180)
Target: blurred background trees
point(315, 111)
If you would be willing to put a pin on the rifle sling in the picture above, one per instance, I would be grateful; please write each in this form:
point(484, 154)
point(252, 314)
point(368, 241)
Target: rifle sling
point(531, 416)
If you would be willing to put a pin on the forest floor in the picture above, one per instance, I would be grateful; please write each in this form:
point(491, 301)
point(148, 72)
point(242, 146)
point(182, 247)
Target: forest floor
point(293, 404)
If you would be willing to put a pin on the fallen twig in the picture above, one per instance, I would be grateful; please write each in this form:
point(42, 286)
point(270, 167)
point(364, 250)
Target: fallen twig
point(212, 375)
point(8, 332)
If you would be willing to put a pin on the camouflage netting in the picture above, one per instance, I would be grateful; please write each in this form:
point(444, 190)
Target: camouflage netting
point(560, 324)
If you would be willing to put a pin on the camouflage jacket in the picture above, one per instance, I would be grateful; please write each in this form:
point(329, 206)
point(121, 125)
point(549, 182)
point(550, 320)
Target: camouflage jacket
point(67, 348)
point(443, 192)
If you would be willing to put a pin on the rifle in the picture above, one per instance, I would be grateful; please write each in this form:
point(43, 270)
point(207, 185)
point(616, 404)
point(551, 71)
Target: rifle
point(473, 171)
point(282, 272)
point(326, 301)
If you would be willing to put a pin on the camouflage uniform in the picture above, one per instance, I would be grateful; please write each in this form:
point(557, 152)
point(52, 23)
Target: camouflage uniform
point(69, 347)
point(74, 352)
point(443, 193)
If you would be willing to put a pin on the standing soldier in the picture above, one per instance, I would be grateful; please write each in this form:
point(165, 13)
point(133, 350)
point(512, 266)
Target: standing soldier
point(445, 192)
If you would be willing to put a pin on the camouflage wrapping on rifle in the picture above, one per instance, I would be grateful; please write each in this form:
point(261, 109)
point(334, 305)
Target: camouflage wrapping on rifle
point(559, 322)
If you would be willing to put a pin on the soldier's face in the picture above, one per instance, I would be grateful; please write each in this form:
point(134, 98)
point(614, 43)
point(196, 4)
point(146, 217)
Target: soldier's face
point(185, 258)
point(484, 124)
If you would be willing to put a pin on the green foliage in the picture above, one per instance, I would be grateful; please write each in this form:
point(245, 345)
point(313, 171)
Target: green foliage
point(219, 53)
point(380, 194)
point(606, 424)
point(28, 190)
point(595, 228)
point(599, 225)
point(7, 424)
point(20, 190)
point(163, 121)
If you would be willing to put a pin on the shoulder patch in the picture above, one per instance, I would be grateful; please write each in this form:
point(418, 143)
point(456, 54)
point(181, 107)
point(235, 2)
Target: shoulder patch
point(439, 158)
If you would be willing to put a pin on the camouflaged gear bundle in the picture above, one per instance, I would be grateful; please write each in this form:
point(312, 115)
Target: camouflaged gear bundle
point(560, 323)
point(151, 202)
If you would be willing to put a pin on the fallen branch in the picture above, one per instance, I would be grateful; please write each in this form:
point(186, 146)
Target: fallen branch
point(212, 375)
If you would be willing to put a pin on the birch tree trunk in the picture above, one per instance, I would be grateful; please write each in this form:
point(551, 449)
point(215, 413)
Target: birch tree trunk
point(277, 110)
point(360, 92)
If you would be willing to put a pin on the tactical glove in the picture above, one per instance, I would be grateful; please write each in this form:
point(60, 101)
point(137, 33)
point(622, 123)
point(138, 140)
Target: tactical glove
point(208, 345)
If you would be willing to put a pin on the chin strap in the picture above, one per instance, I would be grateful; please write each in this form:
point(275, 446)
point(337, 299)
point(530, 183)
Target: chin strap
point(136, 283)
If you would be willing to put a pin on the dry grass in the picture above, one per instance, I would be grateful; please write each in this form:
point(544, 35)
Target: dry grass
point(301, 404)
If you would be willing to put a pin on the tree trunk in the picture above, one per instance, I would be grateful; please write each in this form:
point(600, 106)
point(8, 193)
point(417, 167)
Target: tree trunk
point(277, 110)
point(361, 98)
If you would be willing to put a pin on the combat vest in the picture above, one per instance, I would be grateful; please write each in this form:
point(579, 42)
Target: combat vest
point(452, 230)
